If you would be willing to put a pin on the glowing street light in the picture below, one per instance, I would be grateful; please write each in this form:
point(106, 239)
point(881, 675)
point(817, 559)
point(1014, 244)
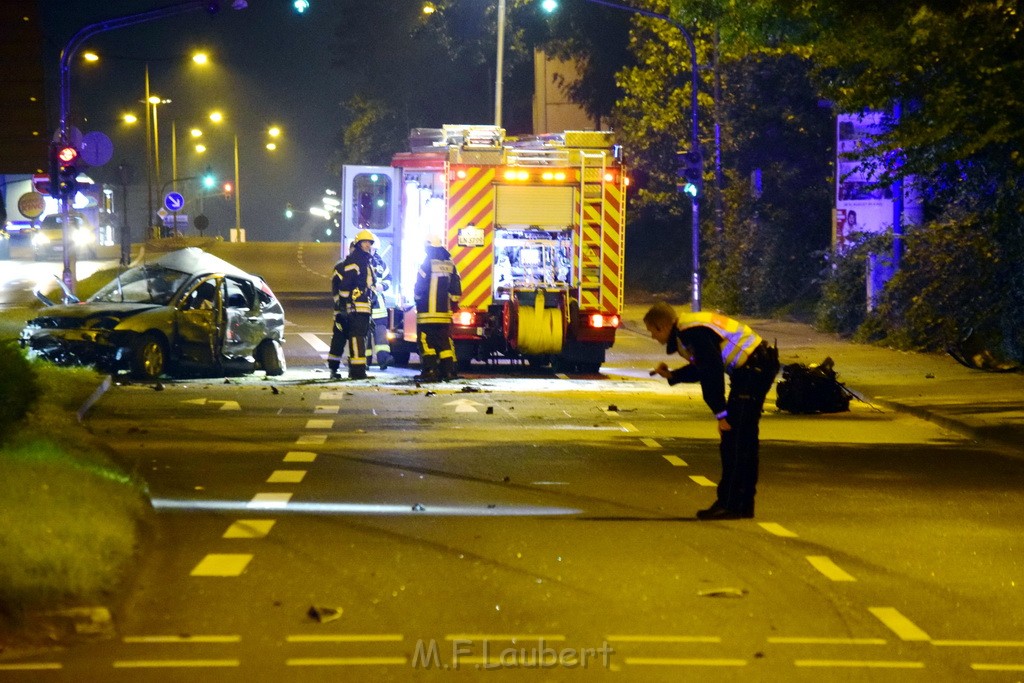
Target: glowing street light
point(90, 57)
point(201, 58)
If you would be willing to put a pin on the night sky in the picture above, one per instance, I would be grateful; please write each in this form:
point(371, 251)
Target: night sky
point(268, 65)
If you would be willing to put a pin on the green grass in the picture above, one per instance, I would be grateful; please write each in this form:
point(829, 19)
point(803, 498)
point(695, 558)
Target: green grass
point(69, 514)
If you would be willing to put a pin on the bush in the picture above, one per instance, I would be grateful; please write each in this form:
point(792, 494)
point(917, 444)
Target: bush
point(19, 387)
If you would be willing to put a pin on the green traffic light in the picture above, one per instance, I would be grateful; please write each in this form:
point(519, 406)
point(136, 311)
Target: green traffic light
point(209, 181)
point(301, 6)
point(549, 6)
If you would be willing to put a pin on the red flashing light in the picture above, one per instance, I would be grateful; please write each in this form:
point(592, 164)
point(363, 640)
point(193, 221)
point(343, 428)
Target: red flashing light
point(67, 154)
point(598, 320)
point(465, 318)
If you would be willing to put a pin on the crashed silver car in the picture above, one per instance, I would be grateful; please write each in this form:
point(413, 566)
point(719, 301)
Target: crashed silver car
point(186, 312)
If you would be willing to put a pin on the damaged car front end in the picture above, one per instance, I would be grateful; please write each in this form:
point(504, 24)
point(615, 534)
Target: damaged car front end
point(187, 312)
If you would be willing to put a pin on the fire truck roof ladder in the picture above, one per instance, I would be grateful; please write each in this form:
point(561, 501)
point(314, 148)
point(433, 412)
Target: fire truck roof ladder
point(592, 213)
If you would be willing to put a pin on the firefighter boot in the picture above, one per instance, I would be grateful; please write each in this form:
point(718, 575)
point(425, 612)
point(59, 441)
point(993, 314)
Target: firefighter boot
point(448, 369)
point(333, 367)
point(357, 371)
point(428, 369)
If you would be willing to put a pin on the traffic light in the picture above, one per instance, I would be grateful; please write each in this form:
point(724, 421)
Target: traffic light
point(63, 171)
point(300, 5)
point(288, 210)
point(228, 188)
point(549, 6)
point(690, 173)
point(209, 180)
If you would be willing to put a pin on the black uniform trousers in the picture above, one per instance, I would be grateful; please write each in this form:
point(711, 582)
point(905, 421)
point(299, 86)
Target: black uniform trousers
point(437, 351)
point(357, 328)
point(339, 338)
point(739, 447)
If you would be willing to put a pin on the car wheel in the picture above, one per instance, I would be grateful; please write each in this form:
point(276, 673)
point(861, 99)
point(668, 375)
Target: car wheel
point(270, 357)
point(149, 356)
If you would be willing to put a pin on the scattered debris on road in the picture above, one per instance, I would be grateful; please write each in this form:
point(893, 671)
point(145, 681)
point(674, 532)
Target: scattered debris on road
point(324, 614)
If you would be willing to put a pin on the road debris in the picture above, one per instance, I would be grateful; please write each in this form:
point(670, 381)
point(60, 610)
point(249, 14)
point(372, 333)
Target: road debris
point(418, 507)
point(324, 614)
point(722, 593)
point(490, 410)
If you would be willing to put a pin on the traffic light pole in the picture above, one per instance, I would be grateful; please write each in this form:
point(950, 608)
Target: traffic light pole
point(694, 134)
point(76, 41)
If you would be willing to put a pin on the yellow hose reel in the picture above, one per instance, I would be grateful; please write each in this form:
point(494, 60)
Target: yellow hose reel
point(541, 330)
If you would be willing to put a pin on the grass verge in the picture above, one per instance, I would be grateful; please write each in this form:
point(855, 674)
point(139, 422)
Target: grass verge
point(70, 515)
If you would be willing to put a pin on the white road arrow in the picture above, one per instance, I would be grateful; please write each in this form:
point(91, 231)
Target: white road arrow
point(225, 405)
point(464, 405)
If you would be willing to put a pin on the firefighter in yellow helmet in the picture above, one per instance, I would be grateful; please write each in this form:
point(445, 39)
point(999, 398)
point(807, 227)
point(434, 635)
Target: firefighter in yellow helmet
point(715, 346)
point(355, 292)
point(437, 293)
point(339, 332)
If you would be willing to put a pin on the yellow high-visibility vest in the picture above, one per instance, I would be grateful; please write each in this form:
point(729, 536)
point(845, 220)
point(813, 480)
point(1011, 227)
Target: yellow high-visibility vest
point(738, 340)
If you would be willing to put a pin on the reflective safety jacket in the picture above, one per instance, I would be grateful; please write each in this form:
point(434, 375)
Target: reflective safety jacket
point(438, 287)
point(738, 340)
point(383, 277)
point(357, 281)
point(715, 345)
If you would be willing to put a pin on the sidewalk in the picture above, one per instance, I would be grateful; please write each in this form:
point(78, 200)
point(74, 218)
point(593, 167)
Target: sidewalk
point(984, 406)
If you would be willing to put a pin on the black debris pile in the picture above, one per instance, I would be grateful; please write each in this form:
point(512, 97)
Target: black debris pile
point(809, 389)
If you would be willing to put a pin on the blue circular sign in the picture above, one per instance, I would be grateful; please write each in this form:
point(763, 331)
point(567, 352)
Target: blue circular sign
point(174, 201)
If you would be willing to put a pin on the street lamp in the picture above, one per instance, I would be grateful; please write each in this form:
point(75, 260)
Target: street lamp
point(549, 5)
point(274, 132)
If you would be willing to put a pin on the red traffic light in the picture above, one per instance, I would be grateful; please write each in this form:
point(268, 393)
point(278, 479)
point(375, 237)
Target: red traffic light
point(67, 154)
point(228, 187)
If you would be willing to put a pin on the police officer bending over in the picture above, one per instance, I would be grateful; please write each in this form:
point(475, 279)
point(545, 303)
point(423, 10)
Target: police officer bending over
point(716, 345)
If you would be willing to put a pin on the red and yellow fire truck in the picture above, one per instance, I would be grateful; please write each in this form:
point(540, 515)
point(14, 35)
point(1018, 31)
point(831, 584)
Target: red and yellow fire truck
point(535, 226)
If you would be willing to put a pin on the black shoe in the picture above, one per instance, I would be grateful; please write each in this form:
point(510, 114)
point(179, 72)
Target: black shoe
point(335, 375)
point(716, 512)
point(427, 377)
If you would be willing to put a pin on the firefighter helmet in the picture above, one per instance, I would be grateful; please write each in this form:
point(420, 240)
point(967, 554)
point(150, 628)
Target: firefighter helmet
point(364, 235)
point(434, 242)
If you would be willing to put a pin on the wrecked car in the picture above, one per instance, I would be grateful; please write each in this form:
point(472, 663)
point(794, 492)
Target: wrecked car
point(185, 312)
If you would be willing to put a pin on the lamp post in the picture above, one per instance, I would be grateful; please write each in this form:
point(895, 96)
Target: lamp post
point(274, 132)
point(694, 134)
point(500, 66)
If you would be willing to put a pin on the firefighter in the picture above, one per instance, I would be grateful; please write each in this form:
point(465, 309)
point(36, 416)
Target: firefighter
point(379, 311)
point(356, 291)
point(339, 333)
point(437, 293)
point(715, 346)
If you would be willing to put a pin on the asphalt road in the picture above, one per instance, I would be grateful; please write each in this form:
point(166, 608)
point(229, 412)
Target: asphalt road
point(520, 523)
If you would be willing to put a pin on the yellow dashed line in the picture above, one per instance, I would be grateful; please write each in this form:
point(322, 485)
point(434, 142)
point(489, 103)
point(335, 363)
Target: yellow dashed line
point(702, 481)
point(299, 456)
point(326, 410)
point(31, 666)
point(503, 636)
point(998, 667)
point(662, 639)
point(675, 460)
point(683, 661)
point(811, 640)
point(347, 638)
point(311, 439)
point(181, 639)
point(319, 424)
point(627, 427)
point(777, 529)
point(650, 443)
point(216, 564)
point(249, 528)
point(269, 501)
point(286, 476)
point(858, 663)
point(898, 624)
point(829, 568)
point(347, 661)
point(979, 643)
point(175, 663)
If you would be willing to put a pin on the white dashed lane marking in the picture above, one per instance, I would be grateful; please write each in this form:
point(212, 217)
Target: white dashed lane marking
point(175, 663)
point(249, 528)
point(675, 460)
point(311, 440)
point(221, 564)
point(351, 661)
point(319, 424)
point(702, 481)
point(31, 666)
point(286, 476)
point(683, 661)
point(857, 664)
point(347, 638)
point(811, 640)
point(662, 639)
point(326, 410)
point(318, 344)
point(181, 639)
point(650, 443)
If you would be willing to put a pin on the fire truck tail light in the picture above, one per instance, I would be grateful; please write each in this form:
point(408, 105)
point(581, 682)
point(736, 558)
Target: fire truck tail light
point(465, 318)
point(609, 177)
point(559, 175)
point(598, 320)
point(460, 174)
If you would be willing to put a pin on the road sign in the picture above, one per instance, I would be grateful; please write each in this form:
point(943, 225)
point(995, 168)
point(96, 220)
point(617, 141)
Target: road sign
point(174, 201)
point(201, 222)
point(31, 204)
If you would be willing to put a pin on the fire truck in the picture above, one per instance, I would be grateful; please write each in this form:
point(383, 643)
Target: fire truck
point(535, 226)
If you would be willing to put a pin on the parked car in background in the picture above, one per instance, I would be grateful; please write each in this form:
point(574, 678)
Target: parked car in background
point(48, 238)
point(186, 312)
